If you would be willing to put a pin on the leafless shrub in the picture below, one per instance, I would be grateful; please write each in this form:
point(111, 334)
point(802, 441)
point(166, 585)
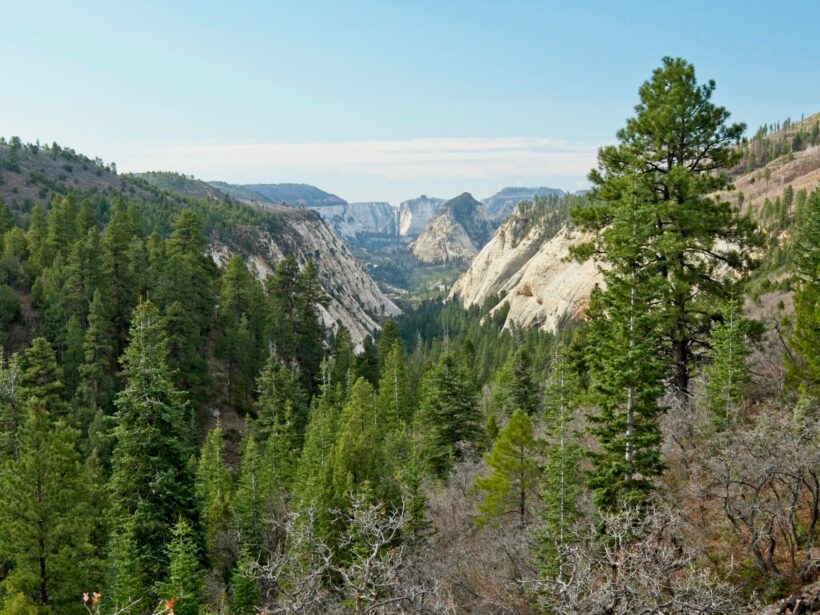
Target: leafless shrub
point(383, 574)
point(636, 563)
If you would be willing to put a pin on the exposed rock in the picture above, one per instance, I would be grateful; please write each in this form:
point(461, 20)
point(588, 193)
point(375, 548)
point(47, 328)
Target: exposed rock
point(542, 286)
point(457, 232)
point(416, 213)
point(354, 298)
point(353, 219)
point(502, 204)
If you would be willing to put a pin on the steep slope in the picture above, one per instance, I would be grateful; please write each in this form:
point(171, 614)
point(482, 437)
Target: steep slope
point(262, 233)
point(503, 203)
point(416, 213)
point(525, 268)
point(355, 299)
point(457, 232)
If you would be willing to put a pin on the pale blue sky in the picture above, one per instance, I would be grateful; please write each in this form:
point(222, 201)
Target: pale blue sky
point(382, 100)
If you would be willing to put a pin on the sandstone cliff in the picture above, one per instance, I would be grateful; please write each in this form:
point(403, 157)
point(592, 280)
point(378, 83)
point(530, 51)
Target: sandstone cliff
point(457, 232)
point(416, 213)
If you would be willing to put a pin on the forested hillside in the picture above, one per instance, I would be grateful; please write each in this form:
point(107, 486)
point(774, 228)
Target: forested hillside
point(179, 434)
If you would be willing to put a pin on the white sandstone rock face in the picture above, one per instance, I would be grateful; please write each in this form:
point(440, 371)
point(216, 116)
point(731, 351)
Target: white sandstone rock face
point(543, 287)
point(352, 219)
point(414, 214)
point(354, 298)
point(457, 232)
point(443, 240)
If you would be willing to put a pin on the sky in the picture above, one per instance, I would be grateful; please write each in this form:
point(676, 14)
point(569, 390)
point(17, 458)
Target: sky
point(385, 100)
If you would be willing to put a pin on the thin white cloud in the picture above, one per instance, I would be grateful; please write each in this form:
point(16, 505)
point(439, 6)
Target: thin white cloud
point(401, 160)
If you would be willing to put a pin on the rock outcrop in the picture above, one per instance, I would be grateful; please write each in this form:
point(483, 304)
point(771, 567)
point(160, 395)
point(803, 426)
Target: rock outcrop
point(351, 220)
point(354, 298)
point(530, 269)
point(457, 232)
point(416, 213)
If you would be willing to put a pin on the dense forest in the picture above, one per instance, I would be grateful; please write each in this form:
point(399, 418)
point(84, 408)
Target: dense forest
point(176, 437)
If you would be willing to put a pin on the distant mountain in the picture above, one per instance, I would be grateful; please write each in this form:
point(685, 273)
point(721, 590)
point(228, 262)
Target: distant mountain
point(416, 213)
point(503, 203)
point(303, 195)
point(457, 232)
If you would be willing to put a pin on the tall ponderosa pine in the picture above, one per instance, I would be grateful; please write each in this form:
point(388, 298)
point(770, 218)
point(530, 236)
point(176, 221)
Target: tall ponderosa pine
point(674, 154)
point(151, 485)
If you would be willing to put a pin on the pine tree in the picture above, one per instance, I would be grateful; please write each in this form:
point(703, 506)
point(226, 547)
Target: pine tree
point(185, 579)
point(727, 375)
point(359, 461)
point(626, 382)
point(94, 390)
point(151, 483)
point(674, 154)
point(515, 387)
point(562, 479)
point(119, 291)
point(250, 500)
point(213, 493)
point(239, 345)
point(46, 517)
point(277, 386)
point(448, 414)
point(72, 355)
point(395, 398)
point(245, 595)
point(515, 471)
point(41, 376)
point(803, 356)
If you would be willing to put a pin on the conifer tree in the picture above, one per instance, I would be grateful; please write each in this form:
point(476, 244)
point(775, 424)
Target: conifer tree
point(46, 516)
point(245, 595)
point(395, 398)
point(239, 299)
point(41, 376)
point(72, 355)
point(674, 154)
point(803, 356)
point(119, 284)
point(185, 579)
point(213, 492)
point(94, 389)
point(515, 387)
point(562, 479)
point(151, 484)
point(358, 458)
point(250, 498)
point(727, 375)
point(277, 386)
point(514, 461)
point(448, 413)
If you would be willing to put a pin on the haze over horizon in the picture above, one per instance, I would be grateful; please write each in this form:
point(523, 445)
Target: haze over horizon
point(380, 103)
